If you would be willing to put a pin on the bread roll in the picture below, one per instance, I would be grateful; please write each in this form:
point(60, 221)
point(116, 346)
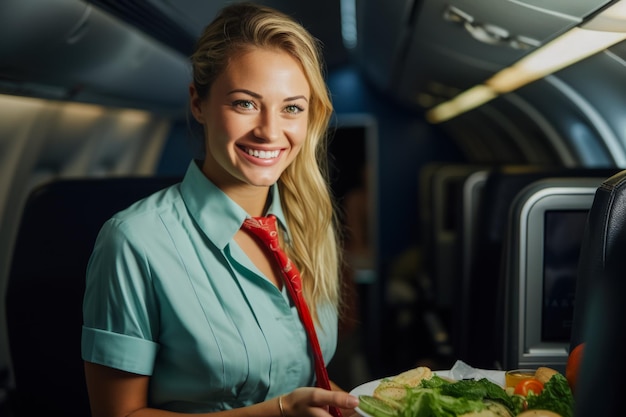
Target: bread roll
point(395, 387)
point(543, 374)
point(413, 377)
point(538, 413)
point(389, 390)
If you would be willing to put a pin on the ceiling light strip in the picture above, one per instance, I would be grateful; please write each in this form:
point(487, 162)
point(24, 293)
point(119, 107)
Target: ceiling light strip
point(468, 99)
point(575, 45)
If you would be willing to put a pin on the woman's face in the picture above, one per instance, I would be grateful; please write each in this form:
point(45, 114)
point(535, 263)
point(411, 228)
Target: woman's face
point(255, 118)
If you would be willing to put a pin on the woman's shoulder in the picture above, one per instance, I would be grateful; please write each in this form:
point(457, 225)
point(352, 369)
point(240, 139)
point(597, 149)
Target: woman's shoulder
point(139, 224)
point(153, 206)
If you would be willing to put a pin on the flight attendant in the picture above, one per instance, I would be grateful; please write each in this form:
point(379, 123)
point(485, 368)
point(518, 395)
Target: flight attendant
point(185, 310)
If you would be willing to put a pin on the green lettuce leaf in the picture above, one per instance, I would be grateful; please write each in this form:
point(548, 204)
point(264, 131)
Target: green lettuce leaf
point(426, 402)
point(556, 396)
point(481, 389)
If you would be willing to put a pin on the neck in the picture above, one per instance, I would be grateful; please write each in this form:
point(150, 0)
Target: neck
point(253, 199)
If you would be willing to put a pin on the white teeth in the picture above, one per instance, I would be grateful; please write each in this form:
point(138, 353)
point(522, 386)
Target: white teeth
point(263, 154)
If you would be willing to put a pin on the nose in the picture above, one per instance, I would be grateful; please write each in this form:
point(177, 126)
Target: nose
point(267, 126)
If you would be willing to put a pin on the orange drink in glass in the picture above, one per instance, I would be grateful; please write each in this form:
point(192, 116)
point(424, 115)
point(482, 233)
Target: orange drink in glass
point(515, 376)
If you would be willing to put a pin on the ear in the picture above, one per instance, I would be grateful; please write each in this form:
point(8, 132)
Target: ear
point(195, 103)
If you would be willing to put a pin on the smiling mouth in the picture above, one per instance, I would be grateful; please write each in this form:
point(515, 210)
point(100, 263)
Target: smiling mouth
point(261, 154)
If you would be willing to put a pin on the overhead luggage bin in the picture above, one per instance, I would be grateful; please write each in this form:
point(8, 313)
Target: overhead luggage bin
point(70, 50)
point(422, 55)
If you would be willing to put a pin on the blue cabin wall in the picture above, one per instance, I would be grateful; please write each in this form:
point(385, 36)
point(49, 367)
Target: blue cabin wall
point(405, 143)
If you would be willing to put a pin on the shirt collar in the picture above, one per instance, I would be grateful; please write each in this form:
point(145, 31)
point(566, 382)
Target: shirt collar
point(216, 214)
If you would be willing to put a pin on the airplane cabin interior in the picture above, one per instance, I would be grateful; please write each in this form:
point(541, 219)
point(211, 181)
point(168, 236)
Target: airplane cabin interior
point(473, 135)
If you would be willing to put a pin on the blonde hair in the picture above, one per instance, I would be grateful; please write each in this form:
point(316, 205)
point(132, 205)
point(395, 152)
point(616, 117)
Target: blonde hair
point(307, 202)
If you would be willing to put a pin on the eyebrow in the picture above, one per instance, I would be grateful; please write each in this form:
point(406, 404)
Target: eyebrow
point(256, 95)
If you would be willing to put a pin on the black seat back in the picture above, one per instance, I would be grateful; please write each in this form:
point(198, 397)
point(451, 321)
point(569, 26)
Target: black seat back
point(599, 317)
point(46, 283)
point(603, 251)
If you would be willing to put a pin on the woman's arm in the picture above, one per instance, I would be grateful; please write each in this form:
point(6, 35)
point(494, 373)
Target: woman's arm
point(115, 393)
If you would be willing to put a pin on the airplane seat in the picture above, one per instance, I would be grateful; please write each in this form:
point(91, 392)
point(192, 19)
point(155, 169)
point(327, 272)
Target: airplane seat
point(499, 190)
point(603, 247)
point(45, 288)
point(471, 190)
point(501, 187)
point(599, 317)
point(446, 201)
point(536, 290)
point(440, 211)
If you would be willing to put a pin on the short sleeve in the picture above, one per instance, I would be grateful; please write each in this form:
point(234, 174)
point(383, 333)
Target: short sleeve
point(120, 316)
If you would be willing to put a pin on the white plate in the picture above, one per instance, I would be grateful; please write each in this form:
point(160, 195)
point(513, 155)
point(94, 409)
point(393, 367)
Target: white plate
point(369, 387)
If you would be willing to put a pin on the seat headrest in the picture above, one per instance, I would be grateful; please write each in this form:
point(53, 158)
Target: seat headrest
point(603, 249)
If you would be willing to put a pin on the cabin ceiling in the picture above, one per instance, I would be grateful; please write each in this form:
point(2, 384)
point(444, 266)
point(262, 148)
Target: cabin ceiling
point(179, 23)
point(421, 52)
point(97, 51)
point(425, 52)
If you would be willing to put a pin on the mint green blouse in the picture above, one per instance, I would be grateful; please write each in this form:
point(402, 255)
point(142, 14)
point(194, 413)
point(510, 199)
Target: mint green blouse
point(171, 295)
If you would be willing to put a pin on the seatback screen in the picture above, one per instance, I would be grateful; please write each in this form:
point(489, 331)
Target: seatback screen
point(562, 239)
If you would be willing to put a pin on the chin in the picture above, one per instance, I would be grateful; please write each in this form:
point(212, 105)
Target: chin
point(263, 183)
point(261, 180)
